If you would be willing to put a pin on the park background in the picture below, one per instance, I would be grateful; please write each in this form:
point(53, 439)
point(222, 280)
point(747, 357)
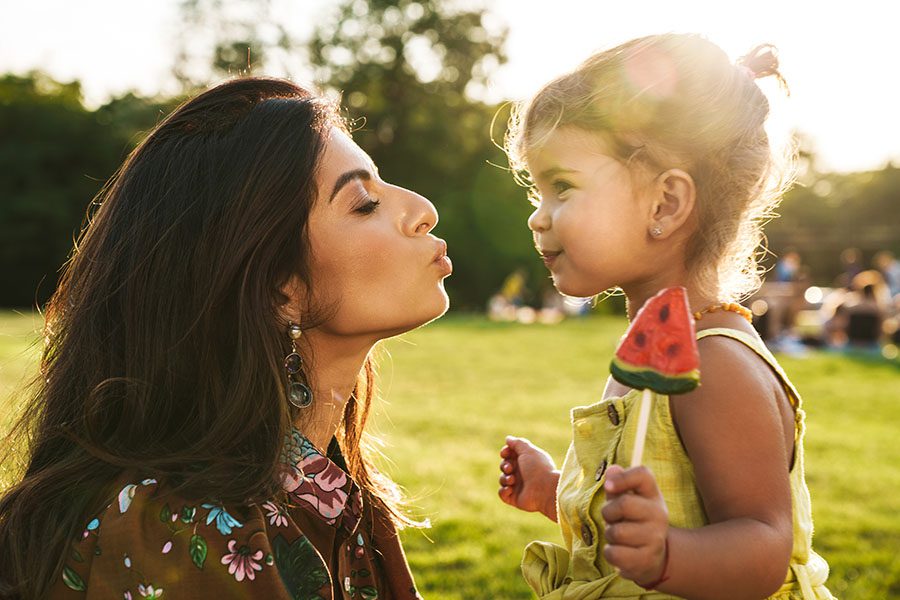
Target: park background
point(428, 85)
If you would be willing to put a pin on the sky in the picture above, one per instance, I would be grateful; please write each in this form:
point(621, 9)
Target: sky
point(839, 58)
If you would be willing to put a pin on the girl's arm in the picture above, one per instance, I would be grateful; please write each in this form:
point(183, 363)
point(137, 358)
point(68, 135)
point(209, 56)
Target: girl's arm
point(737, 428)
point(529, 477)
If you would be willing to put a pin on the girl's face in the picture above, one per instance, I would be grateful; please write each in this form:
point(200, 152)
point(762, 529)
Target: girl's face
point(374, 260)
point(589, 225)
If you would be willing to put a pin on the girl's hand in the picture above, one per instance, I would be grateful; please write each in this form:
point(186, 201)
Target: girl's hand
point(637, 523)
point(529, 477)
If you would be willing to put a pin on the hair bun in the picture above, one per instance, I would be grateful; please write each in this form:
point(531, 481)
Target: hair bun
point(762, 61)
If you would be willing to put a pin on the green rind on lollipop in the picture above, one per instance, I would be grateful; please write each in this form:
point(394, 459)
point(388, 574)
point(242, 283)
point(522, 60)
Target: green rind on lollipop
point(642, 377)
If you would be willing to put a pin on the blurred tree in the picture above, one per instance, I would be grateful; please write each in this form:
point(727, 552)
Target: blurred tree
point(55, 155)
point(218, 38)
point(411, 74)
point(834, 211)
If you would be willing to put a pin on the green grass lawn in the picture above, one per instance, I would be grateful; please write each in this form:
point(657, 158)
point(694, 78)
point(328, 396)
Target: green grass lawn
point(452, 391)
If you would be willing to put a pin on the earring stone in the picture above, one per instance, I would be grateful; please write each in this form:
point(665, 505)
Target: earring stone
point(299, 392)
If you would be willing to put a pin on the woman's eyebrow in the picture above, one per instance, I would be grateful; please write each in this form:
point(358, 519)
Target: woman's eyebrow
point(347, 177)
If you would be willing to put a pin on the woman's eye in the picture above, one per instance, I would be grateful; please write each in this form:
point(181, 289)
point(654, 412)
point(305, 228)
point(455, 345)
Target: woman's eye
point(368, 207)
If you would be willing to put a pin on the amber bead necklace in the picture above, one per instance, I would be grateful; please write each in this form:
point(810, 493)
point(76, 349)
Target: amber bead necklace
point(726, 306)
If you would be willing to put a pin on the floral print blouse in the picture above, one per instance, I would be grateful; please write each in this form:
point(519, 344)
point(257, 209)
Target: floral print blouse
point(325, 545)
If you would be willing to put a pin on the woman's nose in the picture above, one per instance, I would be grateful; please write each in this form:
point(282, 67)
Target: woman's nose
point(422, 215)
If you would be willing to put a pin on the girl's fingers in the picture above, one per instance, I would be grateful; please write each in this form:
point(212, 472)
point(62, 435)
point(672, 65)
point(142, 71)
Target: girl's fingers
point(631, 562)
point(508, 480)
point(636, 564)
point(628, 507)
point(638, 480)
point(518, 445)
point(628, 533)
point(507, 467)
point(505, 452)
point(621, 556)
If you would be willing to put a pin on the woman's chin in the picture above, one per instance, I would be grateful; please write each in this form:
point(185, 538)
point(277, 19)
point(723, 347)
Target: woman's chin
point(425, 312)
point(438, 308)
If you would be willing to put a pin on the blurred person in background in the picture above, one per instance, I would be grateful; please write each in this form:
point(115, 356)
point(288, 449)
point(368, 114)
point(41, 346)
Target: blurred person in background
point(851, 266)
point(858, 321)
point(889, 267)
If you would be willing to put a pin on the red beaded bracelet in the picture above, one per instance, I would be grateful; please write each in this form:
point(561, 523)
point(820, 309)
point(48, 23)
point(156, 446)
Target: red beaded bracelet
point(665, 572)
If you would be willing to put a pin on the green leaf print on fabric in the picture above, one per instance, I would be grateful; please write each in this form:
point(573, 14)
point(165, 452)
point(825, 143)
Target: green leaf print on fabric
point(73, 580)
point(368, 592)
point(188, 513)
point(198, 550)
point(300, 567)
point(165, 514)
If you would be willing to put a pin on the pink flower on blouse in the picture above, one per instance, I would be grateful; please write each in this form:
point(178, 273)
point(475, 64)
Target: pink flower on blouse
point(319, 482)
point(275, 514)
point(241, 563)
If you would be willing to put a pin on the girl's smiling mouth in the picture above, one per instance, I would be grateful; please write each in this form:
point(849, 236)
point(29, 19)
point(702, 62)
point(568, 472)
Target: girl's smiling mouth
point(550, 256)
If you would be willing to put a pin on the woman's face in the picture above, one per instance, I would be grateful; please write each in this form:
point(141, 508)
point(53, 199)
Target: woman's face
point(375, 264)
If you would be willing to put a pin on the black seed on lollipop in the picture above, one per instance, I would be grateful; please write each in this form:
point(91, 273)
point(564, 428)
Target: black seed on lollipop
point(664, 313)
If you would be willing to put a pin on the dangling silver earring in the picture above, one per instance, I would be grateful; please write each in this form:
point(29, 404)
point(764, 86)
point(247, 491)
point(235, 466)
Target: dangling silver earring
point(656, 231)
point(299, 393)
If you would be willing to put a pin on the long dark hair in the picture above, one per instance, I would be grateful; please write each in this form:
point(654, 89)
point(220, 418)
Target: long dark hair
point(163, 342)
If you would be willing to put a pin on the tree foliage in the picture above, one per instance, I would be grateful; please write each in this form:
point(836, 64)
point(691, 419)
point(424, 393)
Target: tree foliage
point(835, 211)
point(55, 154)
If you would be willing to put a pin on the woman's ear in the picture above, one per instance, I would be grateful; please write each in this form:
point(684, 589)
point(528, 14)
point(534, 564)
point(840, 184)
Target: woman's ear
point(293, 296)
point(673, 197)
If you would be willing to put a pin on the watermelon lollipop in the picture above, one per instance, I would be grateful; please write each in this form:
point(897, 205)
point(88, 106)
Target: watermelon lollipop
point(658, 352)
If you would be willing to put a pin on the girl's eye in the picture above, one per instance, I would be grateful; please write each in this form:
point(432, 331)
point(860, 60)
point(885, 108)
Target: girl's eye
point(560, 186)
point(368, 207)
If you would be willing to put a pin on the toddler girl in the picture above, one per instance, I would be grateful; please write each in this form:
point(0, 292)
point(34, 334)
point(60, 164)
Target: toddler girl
point(651, 168)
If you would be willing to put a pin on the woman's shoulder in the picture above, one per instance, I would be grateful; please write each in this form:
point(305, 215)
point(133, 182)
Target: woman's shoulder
point(148, 538)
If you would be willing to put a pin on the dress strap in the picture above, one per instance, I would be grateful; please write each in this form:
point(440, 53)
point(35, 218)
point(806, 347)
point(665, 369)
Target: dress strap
point(757, 345)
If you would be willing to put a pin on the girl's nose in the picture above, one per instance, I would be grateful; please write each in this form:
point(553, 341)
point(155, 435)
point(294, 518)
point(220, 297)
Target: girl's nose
point(539, 221)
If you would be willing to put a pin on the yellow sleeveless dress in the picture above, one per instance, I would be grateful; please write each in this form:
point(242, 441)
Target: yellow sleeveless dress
point(603, 434)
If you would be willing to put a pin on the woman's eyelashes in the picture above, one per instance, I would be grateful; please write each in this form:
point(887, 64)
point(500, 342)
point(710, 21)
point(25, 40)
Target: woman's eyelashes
point(367, 205)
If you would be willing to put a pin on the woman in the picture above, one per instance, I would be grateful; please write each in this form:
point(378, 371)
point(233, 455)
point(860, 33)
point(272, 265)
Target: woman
point(198, 426)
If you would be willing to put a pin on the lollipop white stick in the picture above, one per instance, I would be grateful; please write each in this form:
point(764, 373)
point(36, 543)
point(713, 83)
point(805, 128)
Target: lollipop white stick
point(637, 454)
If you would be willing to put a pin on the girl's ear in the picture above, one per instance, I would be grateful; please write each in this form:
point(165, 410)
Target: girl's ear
point(674, 195)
